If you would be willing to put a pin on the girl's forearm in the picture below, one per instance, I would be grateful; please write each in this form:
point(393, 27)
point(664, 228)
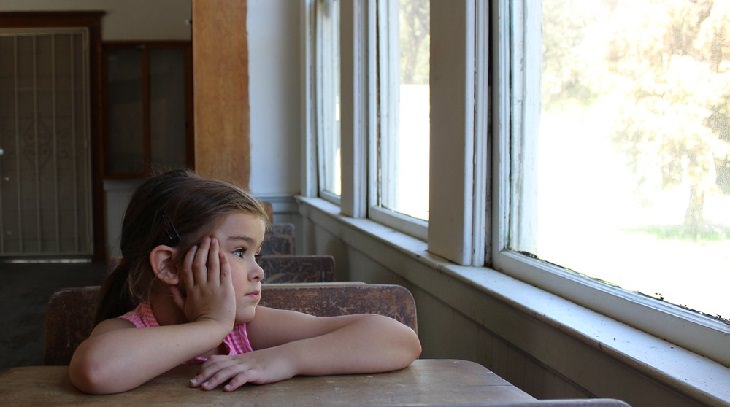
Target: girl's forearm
point(371, 344)
point(123, 359)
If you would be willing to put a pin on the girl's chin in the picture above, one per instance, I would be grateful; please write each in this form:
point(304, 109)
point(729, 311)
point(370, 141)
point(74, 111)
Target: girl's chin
point(245, 316)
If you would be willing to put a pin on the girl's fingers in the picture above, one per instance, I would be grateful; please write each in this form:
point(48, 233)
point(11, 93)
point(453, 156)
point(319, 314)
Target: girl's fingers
point(187, 270)
point(222, 376)
point(225, 274)
point(177, 297)
point(200, 272)
point(214, 267)
point(237, 381)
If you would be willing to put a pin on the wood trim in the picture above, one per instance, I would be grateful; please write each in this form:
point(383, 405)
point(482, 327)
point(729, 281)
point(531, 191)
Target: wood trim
point(146, 119)
point(91, 20)
point(220, 90)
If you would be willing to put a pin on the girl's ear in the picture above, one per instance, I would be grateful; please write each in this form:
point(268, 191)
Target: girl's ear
point(162, 260)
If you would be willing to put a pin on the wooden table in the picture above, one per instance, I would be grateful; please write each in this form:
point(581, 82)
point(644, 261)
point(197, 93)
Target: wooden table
point(426, 382)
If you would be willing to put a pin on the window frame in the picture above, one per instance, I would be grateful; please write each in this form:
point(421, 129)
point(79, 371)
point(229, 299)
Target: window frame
point(514, 72)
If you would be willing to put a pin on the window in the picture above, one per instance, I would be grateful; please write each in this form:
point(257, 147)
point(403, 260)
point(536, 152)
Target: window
point(327, 98)
point(617, 191)
point(401, 197)
point(538, 198)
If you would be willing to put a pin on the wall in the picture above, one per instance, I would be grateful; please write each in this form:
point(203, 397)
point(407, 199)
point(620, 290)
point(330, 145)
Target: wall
point(273, 37)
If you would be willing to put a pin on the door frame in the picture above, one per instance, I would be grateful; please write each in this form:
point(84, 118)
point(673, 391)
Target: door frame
point(91, 20)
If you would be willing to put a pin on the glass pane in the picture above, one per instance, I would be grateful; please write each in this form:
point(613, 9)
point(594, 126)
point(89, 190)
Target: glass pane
point(125, 118)
point(404, 133)
point(167, 107)
point(328, 83)
point(626, 177)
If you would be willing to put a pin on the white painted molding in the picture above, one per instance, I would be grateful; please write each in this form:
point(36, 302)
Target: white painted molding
point(452, 130)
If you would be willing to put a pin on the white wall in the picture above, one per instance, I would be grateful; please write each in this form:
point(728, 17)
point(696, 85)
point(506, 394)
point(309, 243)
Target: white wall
point(274, 80)
point(124, 19)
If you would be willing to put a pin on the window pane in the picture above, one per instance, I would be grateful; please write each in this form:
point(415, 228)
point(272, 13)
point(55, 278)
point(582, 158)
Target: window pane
point(404, 107)
point(328, 98)
point(625, 176)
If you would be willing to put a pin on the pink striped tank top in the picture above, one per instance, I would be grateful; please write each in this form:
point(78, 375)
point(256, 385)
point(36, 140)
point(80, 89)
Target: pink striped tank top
point(236, 342)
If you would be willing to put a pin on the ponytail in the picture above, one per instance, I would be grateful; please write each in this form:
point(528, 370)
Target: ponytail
point(115, 296)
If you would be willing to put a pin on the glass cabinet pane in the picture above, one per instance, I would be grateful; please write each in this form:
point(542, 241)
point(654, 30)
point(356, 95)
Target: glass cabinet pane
point(167, 107)
point(125, 111)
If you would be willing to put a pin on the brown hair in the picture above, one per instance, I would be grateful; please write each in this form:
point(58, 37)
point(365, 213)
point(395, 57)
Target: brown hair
point(175, 208)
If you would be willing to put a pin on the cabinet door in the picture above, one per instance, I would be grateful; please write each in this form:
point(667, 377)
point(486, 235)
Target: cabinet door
point(125, 118)
point(148, 108)
point(168, 127)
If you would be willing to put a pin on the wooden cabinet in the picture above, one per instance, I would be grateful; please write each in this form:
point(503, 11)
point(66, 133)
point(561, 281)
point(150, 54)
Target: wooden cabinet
point(147, 96)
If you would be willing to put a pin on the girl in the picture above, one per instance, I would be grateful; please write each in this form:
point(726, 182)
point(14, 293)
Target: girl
point(189, 278)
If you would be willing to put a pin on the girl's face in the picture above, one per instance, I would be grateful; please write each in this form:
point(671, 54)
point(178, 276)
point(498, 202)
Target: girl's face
point(240, 236)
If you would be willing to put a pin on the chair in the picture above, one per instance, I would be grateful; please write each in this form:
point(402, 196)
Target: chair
point(279, 239)
point(70, 312)
point(69, 320)
point(297, 269)
point(332, 299)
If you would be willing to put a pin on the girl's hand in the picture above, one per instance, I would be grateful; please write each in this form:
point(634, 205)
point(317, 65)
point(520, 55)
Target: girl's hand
point(260, 367)
point(207, 284)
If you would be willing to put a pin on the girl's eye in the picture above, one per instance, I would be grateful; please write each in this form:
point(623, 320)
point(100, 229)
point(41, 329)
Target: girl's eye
point(257, 257)
point(240, 252)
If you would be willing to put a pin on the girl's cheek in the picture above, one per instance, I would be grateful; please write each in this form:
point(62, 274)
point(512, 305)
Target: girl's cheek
point(237, 277)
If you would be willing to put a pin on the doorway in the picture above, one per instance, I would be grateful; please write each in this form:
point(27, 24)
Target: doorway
point(48, 194)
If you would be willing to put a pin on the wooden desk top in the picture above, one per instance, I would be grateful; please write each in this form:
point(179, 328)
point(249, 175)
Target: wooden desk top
point(426, 382)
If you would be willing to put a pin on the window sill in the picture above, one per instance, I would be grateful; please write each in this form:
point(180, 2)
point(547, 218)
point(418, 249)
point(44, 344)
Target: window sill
point(488, 297)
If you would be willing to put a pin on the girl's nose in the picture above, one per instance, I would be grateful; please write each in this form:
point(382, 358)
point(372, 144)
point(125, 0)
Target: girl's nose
point(256, 273)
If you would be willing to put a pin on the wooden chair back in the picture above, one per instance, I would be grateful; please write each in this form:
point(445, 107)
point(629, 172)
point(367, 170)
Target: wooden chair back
point(70, 312)
point(279, 239)
point(297, 268)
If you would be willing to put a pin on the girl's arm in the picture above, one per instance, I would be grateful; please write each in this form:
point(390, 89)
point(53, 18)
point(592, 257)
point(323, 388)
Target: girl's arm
point(290, 343)
point(118, 357)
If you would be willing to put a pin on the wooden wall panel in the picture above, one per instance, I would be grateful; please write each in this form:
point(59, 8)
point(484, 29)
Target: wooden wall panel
point(220, 90)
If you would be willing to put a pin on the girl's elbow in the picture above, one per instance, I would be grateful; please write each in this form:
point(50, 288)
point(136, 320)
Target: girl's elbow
point(84, 377)
point(91, 377)
point(412, 349)
point(407, 346)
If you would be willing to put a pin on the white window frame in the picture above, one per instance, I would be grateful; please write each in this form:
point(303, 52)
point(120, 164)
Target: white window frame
point(323, 91)
point(387, 118)
point(457, 129)
point(515, 67)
